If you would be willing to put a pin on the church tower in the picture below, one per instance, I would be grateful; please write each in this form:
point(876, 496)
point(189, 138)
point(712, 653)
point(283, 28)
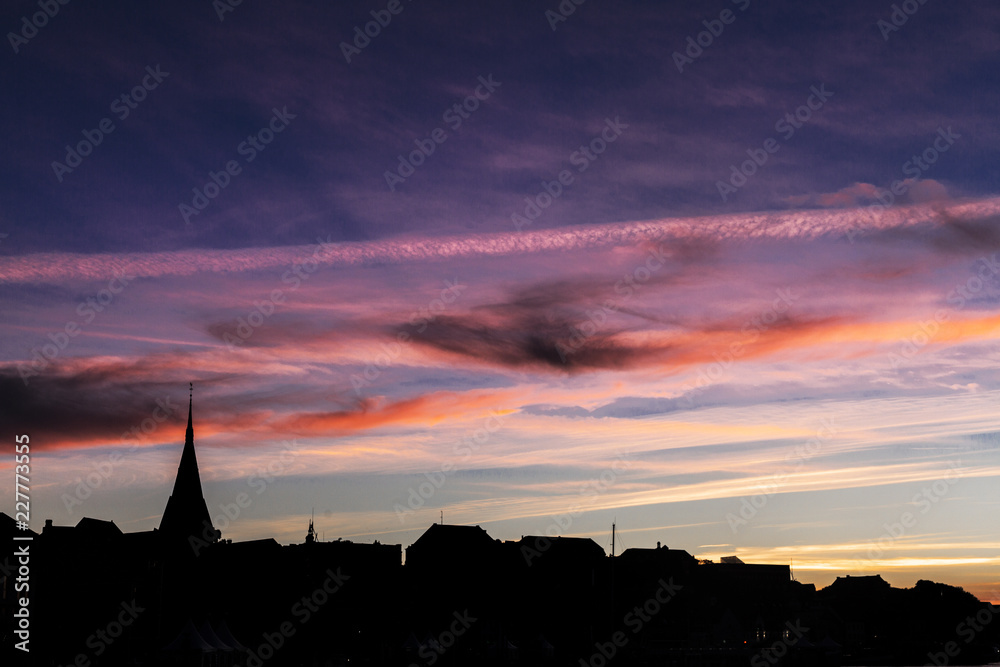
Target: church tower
point(186, 513)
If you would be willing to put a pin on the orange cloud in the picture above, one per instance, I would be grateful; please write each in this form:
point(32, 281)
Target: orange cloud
point(371, 413)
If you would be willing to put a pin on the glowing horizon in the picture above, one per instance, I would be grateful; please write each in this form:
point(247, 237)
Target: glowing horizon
point(758, 295)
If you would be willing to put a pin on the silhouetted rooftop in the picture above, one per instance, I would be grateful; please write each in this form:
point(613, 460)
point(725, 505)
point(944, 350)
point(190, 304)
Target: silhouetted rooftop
point(859, 584)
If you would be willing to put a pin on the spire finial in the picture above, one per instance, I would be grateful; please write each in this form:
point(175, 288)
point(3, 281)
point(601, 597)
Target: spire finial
point(189, 434)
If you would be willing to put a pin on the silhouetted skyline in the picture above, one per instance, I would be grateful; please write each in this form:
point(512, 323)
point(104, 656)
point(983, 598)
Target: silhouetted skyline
point(180, 595)
point(725, 276)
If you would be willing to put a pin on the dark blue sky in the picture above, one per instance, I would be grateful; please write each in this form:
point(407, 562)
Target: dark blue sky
point(327, 169)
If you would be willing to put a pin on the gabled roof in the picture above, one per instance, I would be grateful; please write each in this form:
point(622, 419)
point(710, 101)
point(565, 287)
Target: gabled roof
point(573, 547)
point(660, 555)
point(442, 535)
point(859, 584)
point(452, 544)
point(98, 528)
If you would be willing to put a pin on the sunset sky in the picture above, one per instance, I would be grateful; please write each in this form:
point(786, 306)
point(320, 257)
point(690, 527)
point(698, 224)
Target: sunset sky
point(541, 271)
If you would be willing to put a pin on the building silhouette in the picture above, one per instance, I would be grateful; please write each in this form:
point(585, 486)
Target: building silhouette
point(186, 512)
point(181, 595)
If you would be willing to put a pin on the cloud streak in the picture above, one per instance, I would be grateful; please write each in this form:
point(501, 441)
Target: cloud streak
point(62, 267)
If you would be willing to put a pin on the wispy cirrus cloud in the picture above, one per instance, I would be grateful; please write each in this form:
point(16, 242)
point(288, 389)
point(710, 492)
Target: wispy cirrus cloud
point(59, 267)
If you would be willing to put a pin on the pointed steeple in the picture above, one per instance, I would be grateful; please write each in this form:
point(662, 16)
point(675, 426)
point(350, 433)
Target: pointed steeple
point(186, 513)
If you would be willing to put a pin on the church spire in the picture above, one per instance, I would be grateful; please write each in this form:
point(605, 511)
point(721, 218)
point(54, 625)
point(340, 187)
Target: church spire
point(186, 513)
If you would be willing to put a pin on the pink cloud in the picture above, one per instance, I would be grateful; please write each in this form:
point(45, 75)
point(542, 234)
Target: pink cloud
point(913, 191)
point(61, 267)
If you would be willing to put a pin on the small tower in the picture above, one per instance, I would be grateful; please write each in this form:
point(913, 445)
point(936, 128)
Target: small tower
point(311, 535)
